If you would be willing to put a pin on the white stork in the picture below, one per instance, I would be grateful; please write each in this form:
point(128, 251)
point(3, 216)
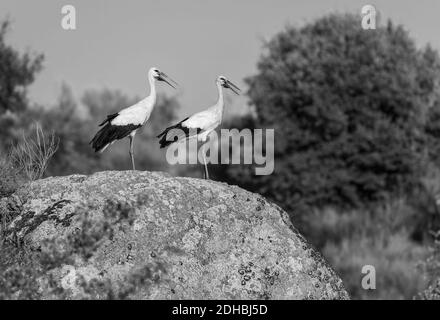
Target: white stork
point(127, 121)
point(200, 124)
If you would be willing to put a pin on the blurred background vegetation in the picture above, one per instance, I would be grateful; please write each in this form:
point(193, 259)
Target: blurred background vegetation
point(356, 117)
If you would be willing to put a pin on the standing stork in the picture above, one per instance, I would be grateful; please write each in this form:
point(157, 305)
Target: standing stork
point(200, 124)
point(127, 121)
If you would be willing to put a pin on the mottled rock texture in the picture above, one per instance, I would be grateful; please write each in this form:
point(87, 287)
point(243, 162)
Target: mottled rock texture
point(213, 241)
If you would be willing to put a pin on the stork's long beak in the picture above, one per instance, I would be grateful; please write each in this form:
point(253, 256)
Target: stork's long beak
point(163, 77)
point(233, 87)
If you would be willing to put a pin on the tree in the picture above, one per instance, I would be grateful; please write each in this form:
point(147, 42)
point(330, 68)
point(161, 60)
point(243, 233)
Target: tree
point(17, 72)
point(348, 107)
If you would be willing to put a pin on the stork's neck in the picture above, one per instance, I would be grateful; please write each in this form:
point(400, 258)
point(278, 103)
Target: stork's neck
point(220, 103)
point(152, 88)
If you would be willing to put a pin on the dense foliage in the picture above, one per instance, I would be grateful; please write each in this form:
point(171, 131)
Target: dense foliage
point(348, 107)
point(17, 72)
point(356, 117)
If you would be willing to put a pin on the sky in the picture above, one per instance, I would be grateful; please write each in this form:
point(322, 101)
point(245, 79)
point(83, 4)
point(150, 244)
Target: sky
point(193, 41)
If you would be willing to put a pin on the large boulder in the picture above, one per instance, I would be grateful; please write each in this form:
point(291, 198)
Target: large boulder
point(211, 240)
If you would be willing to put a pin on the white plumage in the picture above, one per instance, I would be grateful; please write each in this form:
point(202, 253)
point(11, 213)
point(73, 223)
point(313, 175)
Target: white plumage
point(137, 114)
point(200, 124)
point(206, 120)
point(126, 122)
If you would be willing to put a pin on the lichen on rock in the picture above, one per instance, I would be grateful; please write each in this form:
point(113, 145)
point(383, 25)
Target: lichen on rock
point(211, 240)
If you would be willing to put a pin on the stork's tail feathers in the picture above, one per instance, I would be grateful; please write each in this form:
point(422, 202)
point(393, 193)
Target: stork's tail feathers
point(176, 133)
point(163, 141)
point(109, 134)
point(100, 141)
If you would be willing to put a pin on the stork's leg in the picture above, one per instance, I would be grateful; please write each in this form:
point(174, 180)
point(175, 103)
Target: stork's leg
point(206, 175)
point(131, 151)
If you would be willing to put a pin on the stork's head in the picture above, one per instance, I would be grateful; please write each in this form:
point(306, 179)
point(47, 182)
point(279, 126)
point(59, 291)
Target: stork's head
point(225, 83)
point(158, 75)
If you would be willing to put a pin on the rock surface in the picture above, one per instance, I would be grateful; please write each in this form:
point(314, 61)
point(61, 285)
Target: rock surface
point(213, 240)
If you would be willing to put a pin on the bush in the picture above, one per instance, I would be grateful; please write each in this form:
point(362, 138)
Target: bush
point(393, 236)
point(381, 238)
point(26, 161)
point(17, 72)
point(9, 178)
point(31, 156)
point(349, 109)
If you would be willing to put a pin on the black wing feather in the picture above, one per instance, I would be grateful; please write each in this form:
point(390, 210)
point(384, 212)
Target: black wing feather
point(110, 133)
point(110, 117)
point(178, 132)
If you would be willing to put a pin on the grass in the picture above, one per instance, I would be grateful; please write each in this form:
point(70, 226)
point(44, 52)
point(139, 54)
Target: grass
point(27, 161)
point(10, 179)
point(386, 237)
point(31, 156)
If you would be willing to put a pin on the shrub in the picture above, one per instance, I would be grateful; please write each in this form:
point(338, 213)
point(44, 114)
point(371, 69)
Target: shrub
point(9, 178)
point(31, 156)
point(349, 109)
point(379, 237)
point(17, 72)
